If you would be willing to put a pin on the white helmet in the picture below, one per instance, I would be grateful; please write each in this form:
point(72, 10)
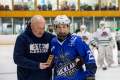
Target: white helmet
point(102, 22)
point(83, 26)
point(50, 24)
point(61, 19)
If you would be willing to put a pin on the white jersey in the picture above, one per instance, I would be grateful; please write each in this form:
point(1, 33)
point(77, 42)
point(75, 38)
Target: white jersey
point(117, 34)
point(103, 36)
point(87, 37)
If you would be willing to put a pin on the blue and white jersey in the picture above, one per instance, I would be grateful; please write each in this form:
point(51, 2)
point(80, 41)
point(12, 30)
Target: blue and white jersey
point(65, 53)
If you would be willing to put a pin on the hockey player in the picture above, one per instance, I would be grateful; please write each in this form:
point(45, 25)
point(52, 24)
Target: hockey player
point(87, 37)
point(27, 22)
point(70, 54)
point(117, 38)
point(105, 43)
point(50, 29)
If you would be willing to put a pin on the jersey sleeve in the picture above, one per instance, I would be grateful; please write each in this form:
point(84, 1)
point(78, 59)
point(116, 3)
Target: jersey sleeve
point(117, 34)
point(95, 36)
point(91, 39)
point(83, 50)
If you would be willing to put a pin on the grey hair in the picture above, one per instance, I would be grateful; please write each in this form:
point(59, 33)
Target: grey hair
point(35, 18)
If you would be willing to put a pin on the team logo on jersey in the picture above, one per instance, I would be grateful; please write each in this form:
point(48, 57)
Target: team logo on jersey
point(64, 65)
point(39, 48)
point(104, 34)
point(72, 40)
point(84, 38)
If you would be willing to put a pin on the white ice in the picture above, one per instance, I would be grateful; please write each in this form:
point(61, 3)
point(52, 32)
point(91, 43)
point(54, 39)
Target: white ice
point(8, 70)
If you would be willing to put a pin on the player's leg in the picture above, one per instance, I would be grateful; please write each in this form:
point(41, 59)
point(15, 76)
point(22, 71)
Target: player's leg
point(101, 55)
point(109, 55)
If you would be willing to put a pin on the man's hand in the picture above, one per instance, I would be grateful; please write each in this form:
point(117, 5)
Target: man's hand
point(43, 65)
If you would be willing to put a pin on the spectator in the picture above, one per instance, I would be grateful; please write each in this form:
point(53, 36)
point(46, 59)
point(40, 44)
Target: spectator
point(64, 5)
point(97, 7)
point(69, 7)
point(102, 7)
point(85, 6)
point(44, 7)
point(73, 6)
point(39, 7)
point(110, 7)
point(49, 6)
point(81, 7)
point(31, 51)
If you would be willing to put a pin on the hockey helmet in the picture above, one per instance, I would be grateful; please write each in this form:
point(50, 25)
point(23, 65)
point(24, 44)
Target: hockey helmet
point(102, 22)
point(50, 24)
point(62, 19)
point(83, 26)
point(59, 20)
point(27, 22)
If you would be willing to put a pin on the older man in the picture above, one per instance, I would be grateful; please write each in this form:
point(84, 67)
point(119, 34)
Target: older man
point(31, 51)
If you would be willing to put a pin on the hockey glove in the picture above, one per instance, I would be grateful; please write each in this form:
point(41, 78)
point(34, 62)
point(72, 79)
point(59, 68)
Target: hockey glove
point(90, 77)
point(79, 62)
point(94, 45)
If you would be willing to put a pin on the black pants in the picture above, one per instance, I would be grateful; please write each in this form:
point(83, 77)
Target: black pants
point(118, 46)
